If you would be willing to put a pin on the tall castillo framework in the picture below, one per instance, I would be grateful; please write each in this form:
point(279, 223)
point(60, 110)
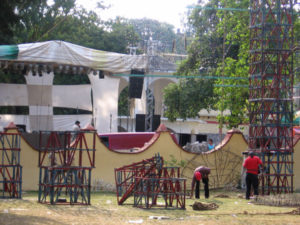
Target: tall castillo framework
point(271, 92)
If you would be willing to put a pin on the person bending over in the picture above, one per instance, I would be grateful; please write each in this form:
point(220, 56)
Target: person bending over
point(200, 172)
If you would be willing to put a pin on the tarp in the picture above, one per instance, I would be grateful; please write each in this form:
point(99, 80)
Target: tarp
point(66, 122)
point(13, 95)
point(60, 52)
point(72, 96)
point(60, 122)
point(68, 96)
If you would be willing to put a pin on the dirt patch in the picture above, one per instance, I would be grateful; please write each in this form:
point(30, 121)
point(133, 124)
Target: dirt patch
point(204, 206)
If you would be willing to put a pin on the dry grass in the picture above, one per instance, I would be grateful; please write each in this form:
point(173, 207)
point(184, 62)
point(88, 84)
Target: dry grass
point(104, 210)
point(280, 200)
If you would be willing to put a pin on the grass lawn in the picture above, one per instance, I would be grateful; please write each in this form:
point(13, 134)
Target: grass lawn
point(105, 210)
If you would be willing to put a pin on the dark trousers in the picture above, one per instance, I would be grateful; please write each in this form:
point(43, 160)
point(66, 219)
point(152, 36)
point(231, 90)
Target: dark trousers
point(251, 180)
point(206, 189)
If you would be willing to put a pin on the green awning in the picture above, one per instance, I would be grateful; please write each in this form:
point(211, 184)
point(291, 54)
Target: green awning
point(9, 51)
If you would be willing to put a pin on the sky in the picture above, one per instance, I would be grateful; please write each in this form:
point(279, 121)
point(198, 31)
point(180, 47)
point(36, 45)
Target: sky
point(169, 11)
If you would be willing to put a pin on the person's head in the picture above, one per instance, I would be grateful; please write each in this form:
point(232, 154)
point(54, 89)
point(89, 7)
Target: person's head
point(77, 122)
point(251, 154)
point(210, 141)
point(198, 175)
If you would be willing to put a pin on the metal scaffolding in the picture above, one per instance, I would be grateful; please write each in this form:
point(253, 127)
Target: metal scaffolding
point(149, 108)
point(10, 168)
point(148, 180)
point(271, 92)
point(148, 190)
point(66, 160)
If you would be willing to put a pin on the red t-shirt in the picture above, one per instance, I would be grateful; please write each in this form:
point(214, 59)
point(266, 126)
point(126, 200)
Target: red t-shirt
point(251, 164)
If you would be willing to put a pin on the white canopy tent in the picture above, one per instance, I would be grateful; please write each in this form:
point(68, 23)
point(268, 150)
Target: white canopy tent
point(39, 93)
point(64, 53)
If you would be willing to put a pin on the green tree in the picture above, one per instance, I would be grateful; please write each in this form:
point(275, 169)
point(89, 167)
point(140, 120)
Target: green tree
point(233, 26)
point(38, 18)
point(82, 27)
point(123, 102)
point(220, 49)
point(297, 52)
point(187, 98)
point(8, 19)
point(205, 50)
point(121, 35)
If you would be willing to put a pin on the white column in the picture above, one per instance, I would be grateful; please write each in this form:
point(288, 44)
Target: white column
point(105, 102)
point(158, 86)
point(39, 89)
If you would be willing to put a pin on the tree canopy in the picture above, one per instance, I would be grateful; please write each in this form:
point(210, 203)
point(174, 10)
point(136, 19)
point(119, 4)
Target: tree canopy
point(187, 98)
point(220, 50)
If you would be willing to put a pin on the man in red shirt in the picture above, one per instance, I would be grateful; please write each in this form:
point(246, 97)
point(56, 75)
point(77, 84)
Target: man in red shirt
point(200, 172)
point(252, 164)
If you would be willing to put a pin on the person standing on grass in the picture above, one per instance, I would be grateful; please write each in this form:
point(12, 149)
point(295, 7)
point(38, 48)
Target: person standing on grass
point(252, 164)
point(200, 172)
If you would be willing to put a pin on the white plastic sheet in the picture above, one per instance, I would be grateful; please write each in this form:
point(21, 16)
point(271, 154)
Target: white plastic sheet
point(13, 94)
point(72, 96)
point(61, 52)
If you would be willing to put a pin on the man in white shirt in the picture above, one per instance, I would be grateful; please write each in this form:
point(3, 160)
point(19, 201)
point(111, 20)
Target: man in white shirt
point(76, 126)
point(76, 129)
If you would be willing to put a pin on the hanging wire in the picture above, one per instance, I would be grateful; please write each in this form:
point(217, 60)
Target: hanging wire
point(213, 8)
point(226, 9)
point(194, 76)
point(179, 76)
